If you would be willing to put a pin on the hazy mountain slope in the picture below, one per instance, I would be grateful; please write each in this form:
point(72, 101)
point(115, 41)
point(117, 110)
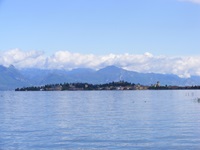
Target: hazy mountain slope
point(39, 76)
point(11, 78)
point(112, 73)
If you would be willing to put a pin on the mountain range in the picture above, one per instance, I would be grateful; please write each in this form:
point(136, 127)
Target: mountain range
point(11, 78)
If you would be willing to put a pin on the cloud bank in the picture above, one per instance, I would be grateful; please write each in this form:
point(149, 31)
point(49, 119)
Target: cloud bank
point(146, 63)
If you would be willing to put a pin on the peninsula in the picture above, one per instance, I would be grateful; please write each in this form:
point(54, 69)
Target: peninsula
point(121, 85)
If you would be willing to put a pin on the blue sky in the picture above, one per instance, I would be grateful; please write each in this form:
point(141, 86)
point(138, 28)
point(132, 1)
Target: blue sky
point(160, 27)
point(160, 36)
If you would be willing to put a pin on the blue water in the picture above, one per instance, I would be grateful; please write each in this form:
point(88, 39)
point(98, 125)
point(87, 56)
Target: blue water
point(89, 120)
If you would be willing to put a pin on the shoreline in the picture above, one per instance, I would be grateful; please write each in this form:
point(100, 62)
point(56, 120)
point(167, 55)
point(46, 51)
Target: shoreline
point(117, 86)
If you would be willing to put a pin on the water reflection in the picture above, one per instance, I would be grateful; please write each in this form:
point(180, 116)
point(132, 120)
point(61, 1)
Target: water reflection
point(99, 120)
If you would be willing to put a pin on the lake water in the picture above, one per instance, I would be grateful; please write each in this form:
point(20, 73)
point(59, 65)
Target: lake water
point(89, 120)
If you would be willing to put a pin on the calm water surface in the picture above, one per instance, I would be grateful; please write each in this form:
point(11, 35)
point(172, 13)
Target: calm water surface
point(87, 120)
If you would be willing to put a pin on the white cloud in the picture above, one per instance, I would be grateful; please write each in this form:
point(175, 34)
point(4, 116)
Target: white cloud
point(22, 59)
point(181, 66)
point(193, 1)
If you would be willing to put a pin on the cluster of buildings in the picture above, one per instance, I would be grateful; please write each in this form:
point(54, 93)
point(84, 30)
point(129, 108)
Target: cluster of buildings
point(121, 85)
point(84, 86)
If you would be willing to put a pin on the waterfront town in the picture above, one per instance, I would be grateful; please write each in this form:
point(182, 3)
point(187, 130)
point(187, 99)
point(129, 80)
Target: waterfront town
point(120, 85)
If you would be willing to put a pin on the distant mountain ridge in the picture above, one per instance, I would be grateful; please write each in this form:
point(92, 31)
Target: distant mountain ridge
point(11, 78)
